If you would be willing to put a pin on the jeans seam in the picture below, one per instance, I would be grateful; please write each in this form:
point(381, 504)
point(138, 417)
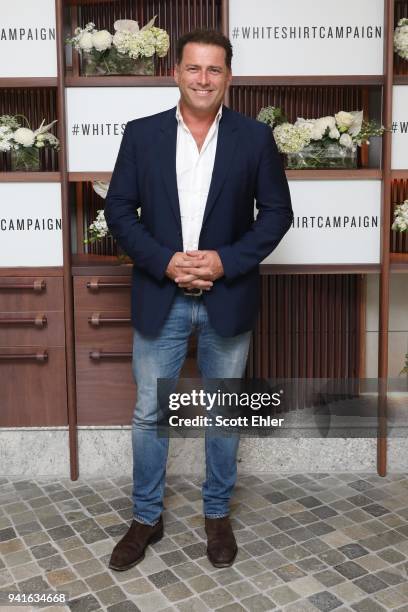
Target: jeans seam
point(140, 519)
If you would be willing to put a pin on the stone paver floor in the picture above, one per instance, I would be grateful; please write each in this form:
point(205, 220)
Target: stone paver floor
point(306, 542)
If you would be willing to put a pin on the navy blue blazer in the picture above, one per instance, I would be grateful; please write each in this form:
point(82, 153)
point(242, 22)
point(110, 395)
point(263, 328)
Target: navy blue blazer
point(247, 167)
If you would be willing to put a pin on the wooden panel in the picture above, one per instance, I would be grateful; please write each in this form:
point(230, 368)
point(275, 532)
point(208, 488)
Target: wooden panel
point(36, 104)
point(116, 297)
point(32, 328)
point(32, 392)
point(302, 101)
point(97, 327)
point(400, 11)
point(175, 16)
point(399, 193)
point(106, 391)
point(14, 299)
point(308, 327)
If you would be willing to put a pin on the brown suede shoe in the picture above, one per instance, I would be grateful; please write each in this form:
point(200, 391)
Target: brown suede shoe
point(221, 544)
point(130, 550)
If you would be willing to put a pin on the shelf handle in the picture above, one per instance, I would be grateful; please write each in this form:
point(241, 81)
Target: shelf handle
point(39, 321)
point(37, 286)
point(96, 285)
point(40, 356)
point(96, 355)
point(96, 320)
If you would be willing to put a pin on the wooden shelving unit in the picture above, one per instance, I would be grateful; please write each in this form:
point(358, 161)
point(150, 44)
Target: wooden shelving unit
point(83, 265)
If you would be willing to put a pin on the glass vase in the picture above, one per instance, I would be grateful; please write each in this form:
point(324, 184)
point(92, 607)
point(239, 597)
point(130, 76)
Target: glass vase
point(112, 63)
point(316, 157)
point(25, 159)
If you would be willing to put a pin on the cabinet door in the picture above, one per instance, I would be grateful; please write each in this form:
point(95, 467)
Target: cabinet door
point(33, 386)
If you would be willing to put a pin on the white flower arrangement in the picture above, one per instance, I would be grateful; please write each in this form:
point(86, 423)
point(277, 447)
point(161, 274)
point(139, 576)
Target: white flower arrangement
point(98, 229)
point(401, 217)
point(129, 41)
point(14, 137)
point(348, 129)
point(401, 38)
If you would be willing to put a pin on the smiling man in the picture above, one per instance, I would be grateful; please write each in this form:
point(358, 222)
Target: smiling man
point(195, 171)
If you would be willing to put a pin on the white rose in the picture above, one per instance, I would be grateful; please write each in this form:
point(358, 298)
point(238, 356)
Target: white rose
point(24, 136)
point(343, 119)
point(334, 133)
point(328, 121)
point(102, 40)
point(86, 42)
point(346, 140)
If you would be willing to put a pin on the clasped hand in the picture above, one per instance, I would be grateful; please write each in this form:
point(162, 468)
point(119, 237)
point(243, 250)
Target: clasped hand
point(195, 269)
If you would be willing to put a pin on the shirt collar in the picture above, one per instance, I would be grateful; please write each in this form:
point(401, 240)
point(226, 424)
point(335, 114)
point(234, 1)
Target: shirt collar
point(180, 119)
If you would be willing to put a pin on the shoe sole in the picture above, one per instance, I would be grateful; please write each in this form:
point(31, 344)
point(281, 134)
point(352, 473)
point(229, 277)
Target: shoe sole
point(153, 540)
point(224, 564)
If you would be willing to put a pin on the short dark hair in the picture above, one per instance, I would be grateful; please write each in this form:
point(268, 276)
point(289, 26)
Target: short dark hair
point(205, 37)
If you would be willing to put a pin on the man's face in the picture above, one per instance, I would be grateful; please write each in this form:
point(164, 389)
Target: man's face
point(202, 77)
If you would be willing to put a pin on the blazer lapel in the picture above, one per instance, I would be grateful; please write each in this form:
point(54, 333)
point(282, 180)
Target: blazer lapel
point(167, 156)
point(226, 143)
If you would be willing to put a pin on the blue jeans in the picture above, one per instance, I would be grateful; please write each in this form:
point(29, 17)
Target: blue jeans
point(162, 356)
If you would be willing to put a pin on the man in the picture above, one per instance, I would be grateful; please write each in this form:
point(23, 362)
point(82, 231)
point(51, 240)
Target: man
point(195, 171)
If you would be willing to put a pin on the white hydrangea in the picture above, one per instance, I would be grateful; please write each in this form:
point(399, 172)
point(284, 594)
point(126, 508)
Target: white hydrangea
point(24, 136)
point(102, 40)
point(401, 38)
point(291, 138)
point(401, 217)
point(162, 41)
point(85, 41)
point(99, 227)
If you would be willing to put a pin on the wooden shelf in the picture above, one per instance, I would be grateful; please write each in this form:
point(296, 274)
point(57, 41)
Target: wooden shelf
point(79, 177)
point(351, 79)
point(28, 82)
point(320, 269)
point(399, 174)
point(332, 175)
point(103, 265)
point(399, 262)
point(30, 177)
point(293, 175)
point(400, 79)
point(119, 81)
point(84, 265)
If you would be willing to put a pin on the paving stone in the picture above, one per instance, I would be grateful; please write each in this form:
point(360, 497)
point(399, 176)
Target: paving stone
point(283, 595)
point(258, 603)
point(266, 580)
point(226, 575)
point(370, 583)
point(353, 551)
point(124, 606)
point(311, 564)
point(280, 540)
point(368, 605)
point(289, 572)
point(163, 578)
point(8, 534)
point(325, 601)
point(99, 581)
point(329, 578)
point(241, 589)
point(176, 592)
point(295, 552)
point(257, 548)
point(350, 570)
point(276, 497)
point(174, 558)
point(194, 604)
point(187, 570)
point(202, 583)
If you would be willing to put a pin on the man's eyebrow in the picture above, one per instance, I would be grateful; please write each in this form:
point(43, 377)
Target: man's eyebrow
point(198, 66)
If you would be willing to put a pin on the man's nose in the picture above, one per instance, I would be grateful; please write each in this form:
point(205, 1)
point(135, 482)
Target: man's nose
point(203, 77)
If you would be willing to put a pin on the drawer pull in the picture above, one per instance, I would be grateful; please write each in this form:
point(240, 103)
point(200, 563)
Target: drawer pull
point(40, 356)
point(96, 320)
point(95, 285)
point(37, 286)
point(38, 321)
point(99, 355)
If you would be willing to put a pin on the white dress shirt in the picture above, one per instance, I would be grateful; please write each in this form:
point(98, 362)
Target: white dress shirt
point(194, 171)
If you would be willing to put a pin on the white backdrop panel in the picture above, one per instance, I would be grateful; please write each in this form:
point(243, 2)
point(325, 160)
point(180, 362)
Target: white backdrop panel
point(399, 150)
point(312, 37)
point(30, 224)
point(335, 222)
point(96, 118)
point(28, 39)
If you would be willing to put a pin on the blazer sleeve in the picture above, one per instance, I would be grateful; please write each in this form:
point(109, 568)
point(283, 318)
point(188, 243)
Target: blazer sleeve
point(121, 215)
point(273, 220)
